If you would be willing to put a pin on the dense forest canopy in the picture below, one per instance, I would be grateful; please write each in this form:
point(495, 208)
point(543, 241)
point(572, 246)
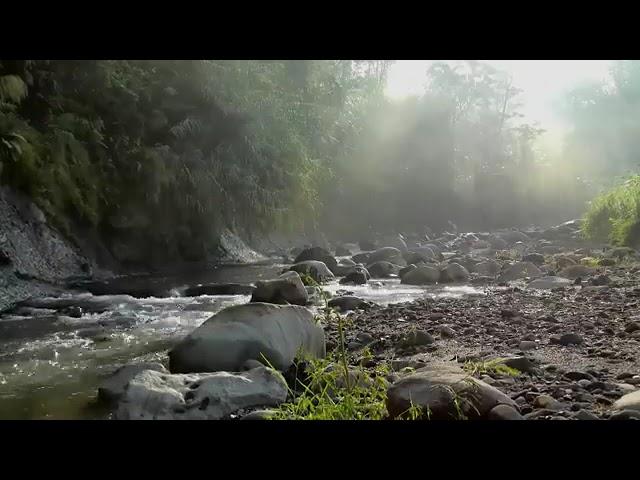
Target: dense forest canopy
point(164, 154)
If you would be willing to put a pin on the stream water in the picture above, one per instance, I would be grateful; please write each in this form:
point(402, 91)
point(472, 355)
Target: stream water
point(51, 364)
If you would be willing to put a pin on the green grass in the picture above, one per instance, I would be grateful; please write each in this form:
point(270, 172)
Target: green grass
point(614, 216)
point(490, 366)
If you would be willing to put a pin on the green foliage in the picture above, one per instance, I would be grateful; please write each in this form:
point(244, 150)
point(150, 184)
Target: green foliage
point(614, 216)
point(495, 366)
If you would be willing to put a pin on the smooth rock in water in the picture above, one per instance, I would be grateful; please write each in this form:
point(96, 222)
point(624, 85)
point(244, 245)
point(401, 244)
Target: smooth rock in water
point(317, 254)
point(248, 332)
point(315, 269)
point(489, 268)
point(548, 283)
point(519, 270)
point(354, 278)
point(152, 395)
point(388, 254)
point(630, 401)
point(504, 412)
point(112, 389)
point(535, 258)
point(421, 275)
point(219, 289)
point(454, 272)
point(287, 288)
point(404, 270)
point(347, 302)
point(383, 269)
point(575, 271)
point(416, 338)
point(440, 389)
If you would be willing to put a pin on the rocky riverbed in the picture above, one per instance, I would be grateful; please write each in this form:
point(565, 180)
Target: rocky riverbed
point(533, 324)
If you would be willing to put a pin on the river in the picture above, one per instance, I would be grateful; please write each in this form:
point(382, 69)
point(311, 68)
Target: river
point(51, 364)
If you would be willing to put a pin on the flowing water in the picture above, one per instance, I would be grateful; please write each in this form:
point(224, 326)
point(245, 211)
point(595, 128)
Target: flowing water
point(51, 364)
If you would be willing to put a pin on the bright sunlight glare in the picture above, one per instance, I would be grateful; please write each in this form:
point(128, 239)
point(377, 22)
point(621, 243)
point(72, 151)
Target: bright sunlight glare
point(542, 81)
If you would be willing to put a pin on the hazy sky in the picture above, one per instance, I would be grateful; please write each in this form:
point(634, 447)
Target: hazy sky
point(543, 81)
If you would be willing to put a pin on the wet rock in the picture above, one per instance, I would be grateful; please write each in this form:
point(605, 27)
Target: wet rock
point(354, 278)
point(504, 412)
point(112, 389)
point(454, 272)
point(317, 270)
point(388, 254)
point(318, 254)
point(219, 289)
point(446, 392)
point(251, 331)
point(383, 269)
point(153, 395)
point(421, 275)
point(347, 302)
point(287, 288)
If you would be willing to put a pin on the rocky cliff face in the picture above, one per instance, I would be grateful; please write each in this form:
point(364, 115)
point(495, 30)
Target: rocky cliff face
point(34, 257)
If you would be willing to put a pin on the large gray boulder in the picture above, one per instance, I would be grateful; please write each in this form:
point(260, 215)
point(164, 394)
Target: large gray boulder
point(444, 392)
point(287, 288)
point(153, 395)
point(383, 269)
point(388, 254)
point(246, 332)
point(112, 388)
point(315, 269)
point(519, 270)
point(454, 272)
point(421, 275)
point(319, 254)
